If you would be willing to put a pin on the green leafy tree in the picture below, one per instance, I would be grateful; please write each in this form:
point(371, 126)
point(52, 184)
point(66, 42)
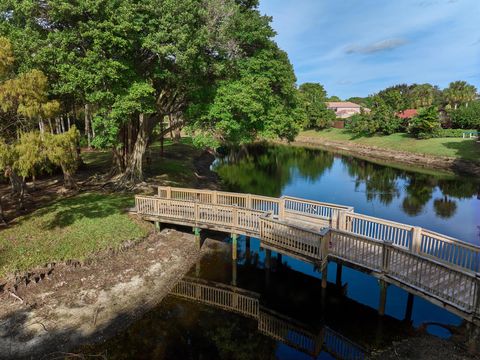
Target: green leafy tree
point(260, 102)
point(423, 95)
point(314, 97)
point(459, 93)
point(61, 151)
point(426, 124)
point(466, 117)
point(393, 98)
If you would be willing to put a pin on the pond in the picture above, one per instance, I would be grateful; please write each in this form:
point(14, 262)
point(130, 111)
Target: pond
point(296, 320)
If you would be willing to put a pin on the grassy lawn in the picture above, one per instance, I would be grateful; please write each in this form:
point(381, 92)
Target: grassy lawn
point(453, 147)
point(71, 228)
point(76, 227)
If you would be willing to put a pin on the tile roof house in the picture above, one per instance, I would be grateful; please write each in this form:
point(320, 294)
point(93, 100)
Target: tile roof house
point(407, 114)
point(345, 109)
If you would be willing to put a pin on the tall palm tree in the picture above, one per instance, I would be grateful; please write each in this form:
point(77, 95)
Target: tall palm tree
point(460, 92)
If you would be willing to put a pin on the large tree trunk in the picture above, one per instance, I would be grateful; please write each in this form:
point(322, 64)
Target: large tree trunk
point(68, 180)
point(19, 187)
point(134, 168)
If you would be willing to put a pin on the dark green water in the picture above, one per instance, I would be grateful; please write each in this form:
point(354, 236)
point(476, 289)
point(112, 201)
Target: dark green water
point(180, 329)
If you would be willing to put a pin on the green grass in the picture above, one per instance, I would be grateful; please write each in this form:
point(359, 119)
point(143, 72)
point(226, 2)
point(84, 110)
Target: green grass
point(466, 149)
point(71, 228)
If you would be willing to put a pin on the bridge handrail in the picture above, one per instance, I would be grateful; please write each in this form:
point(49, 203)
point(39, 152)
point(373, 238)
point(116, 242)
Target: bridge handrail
point(422, 256)
point(418, 240)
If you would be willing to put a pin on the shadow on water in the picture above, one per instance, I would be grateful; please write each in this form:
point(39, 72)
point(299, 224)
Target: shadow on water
point(295, 319)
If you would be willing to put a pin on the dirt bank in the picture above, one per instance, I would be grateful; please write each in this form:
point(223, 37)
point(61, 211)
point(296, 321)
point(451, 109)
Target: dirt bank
point(389, 155)
point(426, 347)
point(61, 306)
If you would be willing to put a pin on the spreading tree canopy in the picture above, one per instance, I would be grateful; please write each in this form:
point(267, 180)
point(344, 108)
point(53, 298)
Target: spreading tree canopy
point(128, 64)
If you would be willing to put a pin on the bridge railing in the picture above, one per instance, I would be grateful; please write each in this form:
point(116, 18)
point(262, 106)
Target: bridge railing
point(450, 284)
point(183, 211)
point(270, 322)
point(291, 238)
point(416, 239)
point(278, 206)
point(232, 299)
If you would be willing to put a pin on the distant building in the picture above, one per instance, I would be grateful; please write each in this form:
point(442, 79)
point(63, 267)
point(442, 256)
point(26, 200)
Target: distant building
point(345, 109)
point(407, 114)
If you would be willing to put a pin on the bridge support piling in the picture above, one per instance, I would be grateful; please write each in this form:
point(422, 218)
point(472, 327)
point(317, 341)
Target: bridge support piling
point(324, 274)
point(198, 240)
point(234, 272)
point(234, 247)
point(158, 226)
point(268, 258)
point(409, 308)
point(279, 259)
point(338, 278)
point(383, 297)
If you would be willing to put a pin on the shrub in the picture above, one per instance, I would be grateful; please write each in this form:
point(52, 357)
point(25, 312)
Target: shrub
point(466, 117)
point(426, 124)
point(380, 120)
point(452, 133)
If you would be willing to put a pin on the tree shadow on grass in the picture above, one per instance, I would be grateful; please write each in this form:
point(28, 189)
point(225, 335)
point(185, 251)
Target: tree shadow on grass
point(465, 150)
point(91, 205)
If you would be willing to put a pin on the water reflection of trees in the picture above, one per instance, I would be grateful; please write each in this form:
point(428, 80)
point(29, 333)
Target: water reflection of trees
point(268, 169)
point(254, 169)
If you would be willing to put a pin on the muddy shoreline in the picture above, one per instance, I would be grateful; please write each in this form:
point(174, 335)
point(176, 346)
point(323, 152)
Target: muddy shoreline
point(438, 163)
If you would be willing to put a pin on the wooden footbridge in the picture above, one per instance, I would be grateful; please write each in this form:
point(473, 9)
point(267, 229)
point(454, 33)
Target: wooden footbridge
point(270, 323)
point(441, 269)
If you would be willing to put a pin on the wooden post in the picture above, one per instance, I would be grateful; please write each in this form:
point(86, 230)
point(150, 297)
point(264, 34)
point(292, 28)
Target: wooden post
point(247, 248)
point(477, 297)
point(281, 208)
point(169, 192)
point(235, 217)
point(234, 273)
point(234, 247)
point(383, 296)
point(342, 217)
point(268, 256)
point(409, 308)
point(158, 226)
point(197, 269)
point(197, 231)
point(214, 197)
point(334, 220)
point(324, 274)
point(386, 249)
point(248, 201)
point(416, 239)
point(338, 278)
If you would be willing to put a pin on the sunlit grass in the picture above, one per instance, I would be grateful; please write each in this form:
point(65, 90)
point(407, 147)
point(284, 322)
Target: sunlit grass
point(467, 149)
point(71, 228)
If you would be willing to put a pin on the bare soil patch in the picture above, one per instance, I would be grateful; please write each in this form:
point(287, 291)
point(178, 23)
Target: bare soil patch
point(63, 305)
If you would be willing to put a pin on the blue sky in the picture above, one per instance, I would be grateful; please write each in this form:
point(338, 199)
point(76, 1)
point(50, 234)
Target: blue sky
point(358, 47)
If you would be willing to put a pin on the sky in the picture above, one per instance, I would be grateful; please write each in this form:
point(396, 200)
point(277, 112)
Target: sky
point(358, 47)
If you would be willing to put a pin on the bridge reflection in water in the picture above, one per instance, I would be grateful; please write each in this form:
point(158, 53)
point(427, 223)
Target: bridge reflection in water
point(270, 323)
point(443, 270)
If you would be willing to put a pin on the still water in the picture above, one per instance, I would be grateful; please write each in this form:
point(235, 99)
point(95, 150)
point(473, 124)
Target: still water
point(344, 322)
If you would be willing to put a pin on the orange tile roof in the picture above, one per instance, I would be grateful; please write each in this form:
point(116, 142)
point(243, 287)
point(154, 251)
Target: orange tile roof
point(342, 104)
point(407, 114)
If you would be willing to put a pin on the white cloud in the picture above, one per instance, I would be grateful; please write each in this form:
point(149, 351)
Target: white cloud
point(383, 45)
